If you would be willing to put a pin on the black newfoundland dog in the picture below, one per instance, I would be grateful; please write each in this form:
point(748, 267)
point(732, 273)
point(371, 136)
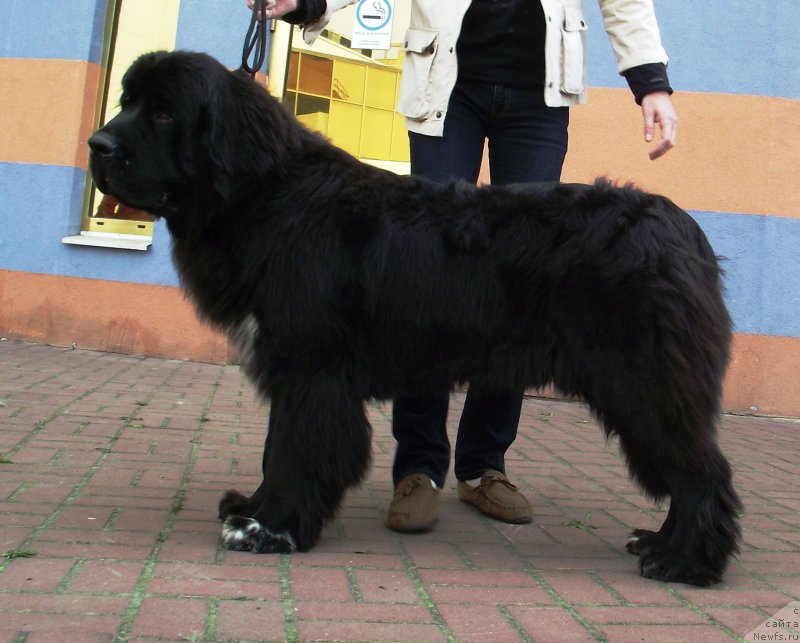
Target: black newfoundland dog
point(342, 283)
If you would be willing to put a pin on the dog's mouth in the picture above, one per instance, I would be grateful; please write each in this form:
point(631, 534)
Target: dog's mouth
point(156, 206)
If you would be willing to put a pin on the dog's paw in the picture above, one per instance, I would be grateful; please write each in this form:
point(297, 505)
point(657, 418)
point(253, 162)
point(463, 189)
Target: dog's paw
point(640, 541)
point(246, 534)
point(667, 566)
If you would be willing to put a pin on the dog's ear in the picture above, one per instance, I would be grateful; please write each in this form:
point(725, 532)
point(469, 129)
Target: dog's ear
point(220, 135)
point(246, 133)
point(246, 136)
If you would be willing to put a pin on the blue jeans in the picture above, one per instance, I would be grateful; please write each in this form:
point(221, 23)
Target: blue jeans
point(527, 142)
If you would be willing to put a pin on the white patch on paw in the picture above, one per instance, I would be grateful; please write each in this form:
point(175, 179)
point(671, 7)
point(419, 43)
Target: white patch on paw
point(240, 531)
point(247, 534)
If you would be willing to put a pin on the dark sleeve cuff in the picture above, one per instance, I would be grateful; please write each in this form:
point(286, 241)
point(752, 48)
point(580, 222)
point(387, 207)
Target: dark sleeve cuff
point(646, 79)
point(307, 11)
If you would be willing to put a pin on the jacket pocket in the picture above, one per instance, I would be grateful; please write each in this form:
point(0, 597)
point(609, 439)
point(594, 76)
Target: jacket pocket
point(414, 100)
point(572, 56)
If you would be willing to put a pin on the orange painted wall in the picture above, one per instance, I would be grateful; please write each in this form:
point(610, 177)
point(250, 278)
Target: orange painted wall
point(137, 319)
point(733, 154)
point(158, 321)
point(52, 105)
point(763, 376)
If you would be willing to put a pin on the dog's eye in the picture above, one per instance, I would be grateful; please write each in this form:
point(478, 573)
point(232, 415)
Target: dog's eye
point(125, 101)
point(160, 116)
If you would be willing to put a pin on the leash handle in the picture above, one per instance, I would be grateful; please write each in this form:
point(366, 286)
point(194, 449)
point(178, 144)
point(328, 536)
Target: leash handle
point(255, 42)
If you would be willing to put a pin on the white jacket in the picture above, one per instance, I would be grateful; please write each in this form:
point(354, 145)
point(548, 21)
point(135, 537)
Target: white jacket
point(430, 69)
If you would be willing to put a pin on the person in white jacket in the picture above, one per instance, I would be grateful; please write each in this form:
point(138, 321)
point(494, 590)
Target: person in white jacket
point(505, 71)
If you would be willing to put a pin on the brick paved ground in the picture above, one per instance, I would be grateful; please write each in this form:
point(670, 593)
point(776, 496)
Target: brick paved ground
point(112, 467)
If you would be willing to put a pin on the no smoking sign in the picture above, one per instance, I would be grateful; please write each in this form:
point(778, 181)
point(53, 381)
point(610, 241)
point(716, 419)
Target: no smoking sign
point(372, 25)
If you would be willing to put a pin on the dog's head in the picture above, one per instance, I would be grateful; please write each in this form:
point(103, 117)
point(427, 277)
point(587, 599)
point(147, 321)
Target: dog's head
point(189, 133)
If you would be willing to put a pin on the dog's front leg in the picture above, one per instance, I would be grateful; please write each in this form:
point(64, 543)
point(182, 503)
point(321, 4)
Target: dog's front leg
point(318, 445)
point(241, 531)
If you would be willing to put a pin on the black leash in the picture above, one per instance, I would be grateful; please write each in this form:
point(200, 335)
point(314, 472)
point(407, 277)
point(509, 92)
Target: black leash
point(255, 42)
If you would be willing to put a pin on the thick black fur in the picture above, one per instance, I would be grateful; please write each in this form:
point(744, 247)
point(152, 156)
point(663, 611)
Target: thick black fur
point(342, 283)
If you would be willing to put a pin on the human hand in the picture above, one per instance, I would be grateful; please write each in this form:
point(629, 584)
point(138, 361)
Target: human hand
point(658, 108)
point(275, 8)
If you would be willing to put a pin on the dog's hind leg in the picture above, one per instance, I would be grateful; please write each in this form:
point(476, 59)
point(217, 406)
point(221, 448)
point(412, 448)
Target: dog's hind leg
point(317, 446)
point(704, 532)
point(671, 450)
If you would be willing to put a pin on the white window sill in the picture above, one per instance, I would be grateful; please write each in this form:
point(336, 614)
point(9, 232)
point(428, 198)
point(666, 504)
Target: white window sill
point(110, 240)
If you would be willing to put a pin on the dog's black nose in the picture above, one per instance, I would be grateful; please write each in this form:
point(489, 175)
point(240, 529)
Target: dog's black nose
point(102, 144)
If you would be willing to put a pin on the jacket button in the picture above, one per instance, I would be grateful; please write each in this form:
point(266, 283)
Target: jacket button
point(438, 114)
point(431, 49)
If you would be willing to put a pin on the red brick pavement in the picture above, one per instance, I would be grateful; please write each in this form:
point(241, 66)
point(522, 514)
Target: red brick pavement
point(112, 467)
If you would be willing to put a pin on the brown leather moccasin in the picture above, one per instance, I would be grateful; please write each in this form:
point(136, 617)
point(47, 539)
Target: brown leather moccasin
point(415, 505)
point(497, 498)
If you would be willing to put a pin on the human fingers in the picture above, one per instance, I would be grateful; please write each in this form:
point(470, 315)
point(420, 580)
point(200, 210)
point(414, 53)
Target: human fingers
point(657, 109)
point(270, 8)
point(669, 130)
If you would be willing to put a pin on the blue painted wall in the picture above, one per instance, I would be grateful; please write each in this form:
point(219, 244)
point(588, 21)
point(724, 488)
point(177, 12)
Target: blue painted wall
point(217, 28)
point(66, 30)
point(42, 204)
point(724, 46)
point(761, 259)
